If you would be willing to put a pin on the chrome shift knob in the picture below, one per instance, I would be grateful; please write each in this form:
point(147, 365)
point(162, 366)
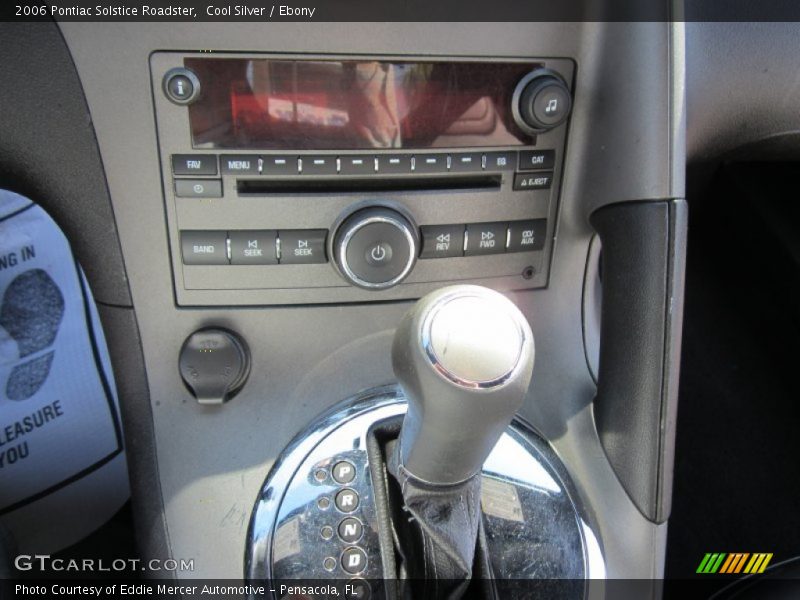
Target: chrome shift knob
point(464, 357)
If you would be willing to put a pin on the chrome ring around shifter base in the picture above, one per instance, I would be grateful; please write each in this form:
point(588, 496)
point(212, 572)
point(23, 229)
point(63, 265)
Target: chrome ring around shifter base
point(535, 529)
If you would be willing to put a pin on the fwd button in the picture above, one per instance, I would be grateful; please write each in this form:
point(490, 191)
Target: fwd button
point(486, 238)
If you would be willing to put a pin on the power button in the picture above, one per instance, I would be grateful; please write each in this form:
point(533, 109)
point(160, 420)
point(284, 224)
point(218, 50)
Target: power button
point(379, 254)
point(375, 248)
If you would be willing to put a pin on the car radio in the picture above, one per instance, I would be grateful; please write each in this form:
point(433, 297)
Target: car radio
point(317, 179)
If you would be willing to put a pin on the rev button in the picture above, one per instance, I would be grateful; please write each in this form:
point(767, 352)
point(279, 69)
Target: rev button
point(442, 241)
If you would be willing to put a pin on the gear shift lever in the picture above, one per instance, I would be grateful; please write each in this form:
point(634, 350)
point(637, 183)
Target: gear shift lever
point(464, 357)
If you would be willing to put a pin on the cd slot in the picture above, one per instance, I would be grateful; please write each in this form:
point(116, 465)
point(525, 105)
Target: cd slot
point(261, 187)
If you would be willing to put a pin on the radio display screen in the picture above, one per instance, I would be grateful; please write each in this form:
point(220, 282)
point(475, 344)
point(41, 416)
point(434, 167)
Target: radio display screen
point(354, 104)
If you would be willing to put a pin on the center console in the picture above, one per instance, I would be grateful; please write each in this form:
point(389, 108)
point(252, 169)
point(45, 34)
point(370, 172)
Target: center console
point(285, 192)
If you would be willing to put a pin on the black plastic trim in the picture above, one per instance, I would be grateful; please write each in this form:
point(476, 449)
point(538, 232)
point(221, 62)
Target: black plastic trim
point(643, 263)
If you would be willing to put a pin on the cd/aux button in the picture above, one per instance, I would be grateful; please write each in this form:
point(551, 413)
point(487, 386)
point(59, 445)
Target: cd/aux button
point(524, 236)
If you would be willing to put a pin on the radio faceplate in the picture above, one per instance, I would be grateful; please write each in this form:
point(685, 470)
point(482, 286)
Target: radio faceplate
point(256, 226)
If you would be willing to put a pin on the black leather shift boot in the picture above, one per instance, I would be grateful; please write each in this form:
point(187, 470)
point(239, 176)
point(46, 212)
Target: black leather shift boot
point(437, 531)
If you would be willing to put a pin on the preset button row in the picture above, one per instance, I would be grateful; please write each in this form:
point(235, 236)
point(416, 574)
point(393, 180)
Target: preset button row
point(360, 164)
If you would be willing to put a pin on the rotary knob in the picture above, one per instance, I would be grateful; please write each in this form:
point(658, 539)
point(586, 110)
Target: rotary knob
point(375, 248)
point(541, 101)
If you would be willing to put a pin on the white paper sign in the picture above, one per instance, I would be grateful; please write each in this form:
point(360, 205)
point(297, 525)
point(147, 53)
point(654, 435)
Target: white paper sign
point(59, 420)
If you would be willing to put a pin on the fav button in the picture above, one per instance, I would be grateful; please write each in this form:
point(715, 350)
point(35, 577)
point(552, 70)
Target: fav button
point(302, 246)
point(194, 164)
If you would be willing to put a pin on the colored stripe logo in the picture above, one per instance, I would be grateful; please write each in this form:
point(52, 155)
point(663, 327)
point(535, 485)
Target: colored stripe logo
point(734, 562)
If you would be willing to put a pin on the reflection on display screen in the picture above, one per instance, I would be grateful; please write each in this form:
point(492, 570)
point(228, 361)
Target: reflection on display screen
point(305, 104)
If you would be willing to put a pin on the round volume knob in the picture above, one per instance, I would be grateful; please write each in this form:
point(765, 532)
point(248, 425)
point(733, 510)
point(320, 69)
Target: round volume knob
point(375, 248)
point(541, 101)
